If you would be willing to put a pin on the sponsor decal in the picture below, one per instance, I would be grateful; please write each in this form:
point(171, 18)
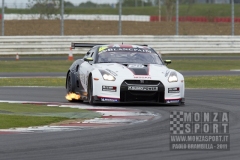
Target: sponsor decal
point(102, 48)
point(172, 101)
point(109, 88)
point(142, 77)
point(109, 100)
point(142, 88)
point(174, 90)
point(135, 66)
point(116, 49)
point(199, 131)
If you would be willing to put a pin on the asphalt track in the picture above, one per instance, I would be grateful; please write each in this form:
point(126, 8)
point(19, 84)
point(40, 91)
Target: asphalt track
point(143, 141)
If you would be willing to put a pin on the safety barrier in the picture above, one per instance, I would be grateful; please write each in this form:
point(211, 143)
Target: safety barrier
point(140, 18)
point(99, 17)
point(30, 45)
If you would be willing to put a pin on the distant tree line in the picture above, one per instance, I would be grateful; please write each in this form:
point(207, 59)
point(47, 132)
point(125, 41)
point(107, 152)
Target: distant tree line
point(50, 9)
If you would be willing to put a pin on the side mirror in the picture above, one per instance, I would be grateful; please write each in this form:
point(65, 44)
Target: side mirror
point(167, 61)
point(88, 59)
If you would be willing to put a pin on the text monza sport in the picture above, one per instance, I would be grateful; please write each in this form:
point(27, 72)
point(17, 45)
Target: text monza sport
point(204, 122)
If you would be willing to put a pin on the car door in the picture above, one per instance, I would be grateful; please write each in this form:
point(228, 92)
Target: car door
point(86, 68)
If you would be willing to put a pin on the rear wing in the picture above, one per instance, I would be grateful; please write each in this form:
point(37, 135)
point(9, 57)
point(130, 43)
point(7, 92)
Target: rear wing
point(90, 45)
point(84, 45)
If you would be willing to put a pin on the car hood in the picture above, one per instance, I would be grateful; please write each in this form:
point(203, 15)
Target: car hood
point(134, 70)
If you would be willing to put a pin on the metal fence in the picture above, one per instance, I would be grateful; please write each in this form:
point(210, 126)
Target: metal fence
point(138, 17)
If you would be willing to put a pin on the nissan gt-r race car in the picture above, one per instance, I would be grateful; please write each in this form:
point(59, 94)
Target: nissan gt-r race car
point(123, 73)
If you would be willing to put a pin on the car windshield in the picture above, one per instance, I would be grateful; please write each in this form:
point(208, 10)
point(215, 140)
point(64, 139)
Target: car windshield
point(129, 57)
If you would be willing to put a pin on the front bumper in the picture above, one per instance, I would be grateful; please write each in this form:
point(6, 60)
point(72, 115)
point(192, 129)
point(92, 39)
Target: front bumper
point(125, 95)
point(144, 95)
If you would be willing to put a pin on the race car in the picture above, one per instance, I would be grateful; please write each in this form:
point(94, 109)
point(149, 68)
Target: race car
point(118, 73)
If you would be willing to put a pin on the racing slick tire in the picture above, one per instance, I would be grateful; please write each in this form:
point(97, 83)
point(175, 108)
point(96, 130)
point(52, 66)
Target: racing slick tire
point(70, 85)
point(90, 90)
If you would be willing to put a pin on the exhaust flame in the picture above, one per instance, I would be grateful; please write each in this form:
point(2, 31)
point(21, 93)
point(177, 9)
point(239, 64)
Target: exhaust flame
point(72, 96)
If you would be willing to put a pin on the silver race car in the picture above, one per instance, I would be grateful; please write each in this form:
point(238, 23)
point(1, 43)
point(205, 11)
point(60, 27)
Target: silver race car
point(123, 73)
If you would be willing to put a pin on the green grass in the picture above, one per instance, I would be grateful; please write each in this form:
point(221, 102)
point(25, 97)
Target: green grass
point(14, 121)
point(25, 115)
point(221, 82)
point(32, 82)
point(31, 108)
point(209, 10)
point(63, 66)
point(198, 65)
point(35, 66)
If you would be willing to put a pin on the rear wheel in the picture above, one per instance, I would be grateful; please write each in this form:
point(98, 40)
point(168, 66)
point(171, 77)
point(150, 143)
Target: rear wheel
point(90, 91)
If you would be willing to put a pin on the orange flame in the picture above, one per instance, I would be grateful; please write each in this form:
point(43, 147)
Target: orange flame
point(72, 96)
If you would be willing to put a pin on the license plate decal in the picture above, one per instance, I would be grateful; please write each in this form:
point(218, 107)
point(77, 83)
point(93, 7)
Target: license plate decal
point(142, 88)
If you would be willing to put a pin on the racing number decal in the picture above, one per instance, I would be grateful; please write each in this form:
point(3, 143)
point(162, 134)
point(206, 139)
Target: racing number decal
point(135, 66)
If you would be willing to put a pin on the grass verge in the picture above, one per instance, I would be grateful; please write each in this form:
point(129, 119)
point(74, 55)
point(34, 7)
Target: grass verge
point(13, 121)
point(184, 10)
point(204, 65)
point(63, 66)
point(221, 82)
point(32, 82)
point(25, 115)
point(35, 66)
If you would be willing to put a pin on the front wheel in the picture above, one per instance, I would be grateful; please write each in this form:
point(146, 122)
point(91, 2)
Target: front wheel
point(90, 91)
point(69, 84)
point(70, 87)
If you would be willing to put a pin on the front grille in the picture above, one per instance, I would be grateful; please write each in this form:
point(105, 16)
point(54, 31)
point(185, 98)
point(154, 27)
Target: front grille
point(142, 96)
point(150, 82)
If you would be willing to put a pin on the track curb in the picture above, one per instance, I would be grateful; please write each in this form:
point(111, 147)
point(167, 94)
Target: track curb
point(111, 117)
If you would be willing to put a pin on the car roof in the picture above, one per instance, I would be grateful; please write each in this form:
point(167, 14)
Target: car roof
point(125, 46)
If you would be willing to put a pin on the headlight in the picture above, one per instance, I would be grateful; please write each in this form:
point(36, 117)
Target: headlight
point(173, 77)
point(107, 76)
